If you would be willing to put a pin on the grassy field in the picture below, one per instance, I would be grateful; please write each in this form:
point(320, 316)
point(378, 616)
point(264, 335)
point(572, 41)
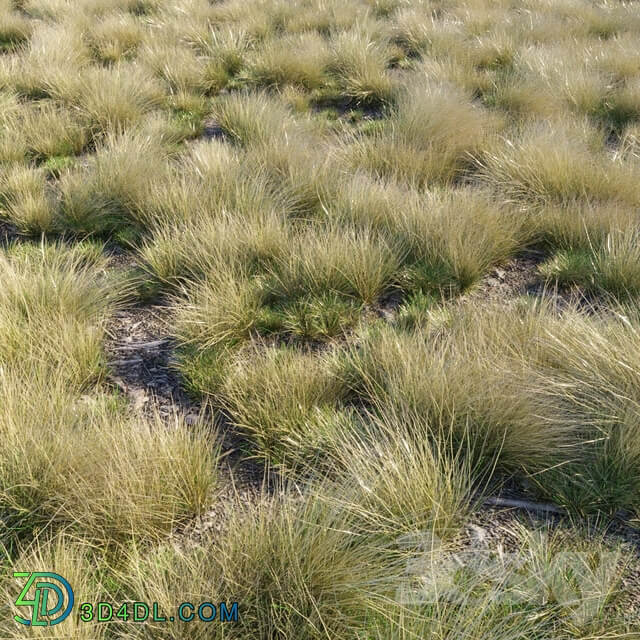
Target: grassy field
point(396, 244)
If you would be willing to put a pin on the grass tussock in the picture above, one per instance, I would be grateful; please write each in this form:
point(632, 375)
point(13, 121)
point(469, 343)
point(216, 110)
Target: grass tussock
point(549, 166)
point(400, 593)
point(180, 252)
point(52, 322)
point(298, 60)
point(359, 65)
point(80, 481)
point(53, 312)
point(115, 98)
point(26, 201)
point(430, 138)
point(609, 268)
point(250, 119)
point(109, 193)
point(353, 262)
point(451, 238)
point(284, 397)
point(15, 29)
point(115, 37)
point(303, 553)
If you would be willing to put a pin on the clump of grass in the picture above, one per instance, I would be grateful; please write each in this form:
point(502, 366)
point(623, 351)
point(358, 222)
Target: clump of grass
point(451, 237)
point(411, 29)
point(590, 380)
point(226, 48)
point(115, 36)
point(114, 98)
point(291, 60)
point(415, 372)
point(82, 481)
point(352, 262)
point(39, 130)
point(567, 431)
point(80, 564)
point(204, 371)
point(281, 398)
point(366, 201)
point(494, 52)
point(15, 29)
point(250, 118)
point(109, 193)
point(321, 317)
point(178, 66)
point(52, 131)
point(415, 310)
point(396, 479)
point(581, 226)
point(205, 179)
point(293, 563)
point(569, 267)
point(26, 201)
point(459, 234)
point(54, 312)
point(629, 148)
point(359, 64)
point(13, 149)
point(204, 245)
point(326, 18)
point(300, 179)
point(610, 268)
point(188, 112)
point(616, 264)
point(220, 310)
point(548, 166)
point(51, 65)
point(622, 107)
point(430, 138)
point(567, 74)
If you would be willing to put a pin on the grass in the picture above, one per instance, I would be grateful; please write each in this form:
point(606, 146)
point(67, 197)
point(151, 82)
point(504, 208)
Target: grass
point(295, 60)
point(396, 243)
point(429, 139)
point(548, 165)
point(75, 559)
point(450, 238)
point(115, 37)
point(26, 201)
point(324, 317)
point(114, 98)
point(608, 269)
point(51, 131)
point(177, 253)
point(303, 554)
point(254, 118)
point(282, 399)
point(52, 317)
point(49, 294)
point(109, 193)
point(359, 65)
point(60, 487)
point(353, 262)
point(14, 29)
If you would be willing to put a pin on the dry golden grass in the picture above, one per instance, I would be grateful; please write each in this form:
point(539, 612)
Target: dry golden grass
point(430, 138)
point(321, 193)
